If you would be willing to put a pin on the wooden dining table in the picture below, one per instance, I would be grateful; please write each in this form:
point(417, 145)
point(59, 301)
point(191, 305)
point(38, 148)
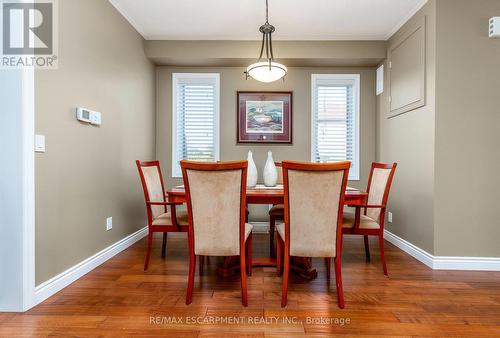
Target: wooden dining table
point(270, 195)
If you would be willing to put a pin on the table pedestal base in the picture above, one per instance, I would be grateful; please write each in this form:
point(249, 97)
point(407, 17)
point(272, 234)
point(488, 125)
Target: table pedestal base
point(300, 265)
point(303, 267)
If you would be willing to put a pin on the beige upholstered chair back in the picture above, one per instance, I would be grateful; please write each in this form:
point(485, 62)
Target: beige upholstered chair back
point(155, 190)
point(280, 173)
point(214, 207)
point(152, 184)
point(378, 186)
point(314, 206)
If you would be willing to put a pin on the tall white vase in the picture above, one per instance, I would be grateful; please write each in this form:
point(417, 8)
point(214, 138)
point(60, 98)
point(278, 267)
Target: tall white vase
point(270, 172)
point(252, 174)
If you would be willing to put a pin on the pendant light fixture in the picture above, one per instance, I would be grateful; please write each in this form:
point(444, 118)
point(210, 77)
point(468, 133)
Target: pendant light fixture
point(268, 70)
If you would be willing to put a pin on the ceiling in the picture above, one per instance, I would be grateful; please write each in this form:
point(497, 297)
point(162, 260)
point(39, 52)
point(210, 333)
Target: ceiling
point(294, 19)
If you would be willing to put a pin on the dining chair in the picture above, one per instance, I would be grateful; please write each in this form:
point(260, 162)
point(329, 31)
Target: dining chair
point(160, 219)
point(314, 200)
point(276, 213)
point(371, 222)
point(216, 201)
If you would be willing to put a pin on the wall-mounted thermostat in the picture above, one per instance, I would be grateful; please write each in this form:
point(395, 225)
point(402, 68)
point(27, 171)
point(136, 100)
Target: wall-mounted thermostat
point(494, 28)
point(88, 116)
point(83, 114)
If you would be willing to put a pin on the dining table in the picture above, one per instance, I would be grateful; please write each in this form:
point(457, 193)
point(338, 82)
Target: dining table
point(261, 194)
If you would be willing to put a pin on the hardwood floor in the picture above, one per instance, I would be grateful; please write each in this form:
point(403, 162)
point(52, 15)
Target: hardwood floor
point(120, 299)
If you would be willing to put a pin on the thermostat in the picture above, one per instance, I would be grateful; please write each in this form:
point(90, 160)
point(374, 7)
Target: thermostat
point(83, 114)
point(88, 116)
point(494, 27)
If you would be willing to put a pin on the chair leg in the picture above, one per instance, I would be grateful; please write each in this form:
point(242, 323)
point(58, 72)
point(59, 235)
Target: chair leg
point(382, 252)
point(148, 250)
point(192, 268)
point(164, 245)
point(286, 272)
point(328, 263)
point(249, 255)
point(202, 260)
point(272, 227)
point(244, 297)
point(338, 280)
point(367, 248)
point(279, 252)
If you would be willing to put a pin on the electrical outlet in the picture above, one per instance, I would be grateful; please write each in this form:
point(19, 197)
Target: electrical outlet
point(109, 223)
point(389, 217)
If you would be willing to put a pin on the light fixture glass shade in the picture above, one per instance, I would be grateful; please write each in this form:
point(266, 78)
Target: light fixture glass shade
point(262, 71)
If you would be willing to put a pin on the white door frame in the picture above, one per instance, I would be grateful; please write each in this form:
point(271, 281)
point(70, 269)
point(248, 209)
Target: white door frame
point(28, 187)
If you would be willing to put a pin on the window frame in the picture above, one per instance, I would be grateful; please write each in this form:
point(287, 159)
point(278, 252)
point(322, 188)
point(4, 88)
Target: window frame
point(339, 79)
point(176, 77)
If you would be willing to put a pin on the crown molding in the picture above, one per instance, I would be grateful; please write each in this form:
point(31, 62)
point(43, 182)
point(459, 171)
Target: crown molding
point(127, 17)
point(405, 19)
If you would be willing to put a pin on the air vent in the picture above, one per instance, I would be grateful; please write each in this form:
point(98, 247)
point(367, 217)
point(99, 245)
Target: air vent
point(494, 27)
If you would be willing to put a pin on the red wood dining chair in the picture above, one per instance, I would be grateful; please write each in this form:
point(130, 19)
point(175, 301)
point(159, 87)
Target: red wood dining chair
point(371, 222)
point(314, 200)
point(276, 213)
point(160, 219)
point(216, 201)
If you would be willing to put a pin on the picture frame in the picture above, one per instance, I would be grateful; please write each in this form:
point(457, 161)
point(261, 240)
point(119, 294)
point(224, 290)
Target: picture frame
point(264, 117)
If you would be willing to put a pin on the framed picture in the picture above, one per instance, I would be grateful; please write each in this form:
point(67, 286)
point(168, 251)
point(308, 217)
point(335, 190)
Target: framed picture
point(264, 117)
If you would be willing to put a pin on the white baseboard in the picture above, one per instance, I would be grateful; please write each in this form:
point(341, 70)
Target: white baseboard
point(57, 283)
point(410, 249)
point(444, 262)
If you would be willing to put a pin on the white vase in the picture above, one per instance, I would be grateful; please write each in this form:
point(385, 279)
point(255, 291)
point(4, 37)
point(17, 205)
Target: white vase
point(252, 171)
point(270, 172)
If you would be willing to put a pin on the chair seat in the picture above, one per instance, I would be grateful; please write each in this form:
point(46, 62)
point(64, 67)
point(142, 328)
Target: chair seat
point(248, 230)
point(277, 210)
point(280, 227)
point(365, 222)
point(166, 219)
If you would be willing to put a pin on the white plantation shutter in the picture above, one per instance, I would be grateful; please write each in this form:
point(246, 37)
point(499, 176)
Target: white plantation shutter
point(195, 119)
point(335, 120)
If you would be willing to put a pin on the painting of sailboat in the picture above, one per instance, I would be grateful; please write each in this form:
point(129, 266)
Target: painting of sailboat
point(264, 117)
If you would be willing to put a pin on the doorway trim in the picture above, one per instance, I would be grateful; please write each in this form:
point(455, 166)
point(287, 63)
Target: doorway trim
point(28, 186)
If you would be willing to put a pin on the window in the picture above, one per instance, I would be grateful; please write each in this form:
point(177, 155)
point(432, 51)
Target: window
point(195, 118)
point(335, 120)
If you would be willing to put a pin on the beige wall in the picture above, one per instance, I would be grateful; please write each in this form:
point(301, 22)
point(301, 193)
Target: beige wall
point(408, 139)
point(298, 80)
point(467, 130)
point(88, 173)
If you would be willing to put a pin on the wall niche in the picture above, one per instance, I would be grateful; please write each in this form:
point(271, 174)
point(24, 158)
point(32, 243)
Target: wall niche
point(406, 57)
